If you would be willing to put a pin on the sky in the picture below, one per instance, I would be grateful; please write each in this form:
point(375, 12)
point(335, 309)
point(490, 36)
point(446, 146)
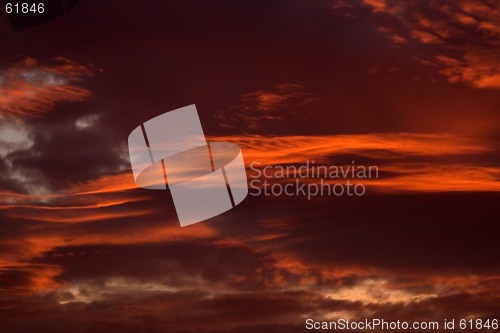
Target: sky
point(412, 87)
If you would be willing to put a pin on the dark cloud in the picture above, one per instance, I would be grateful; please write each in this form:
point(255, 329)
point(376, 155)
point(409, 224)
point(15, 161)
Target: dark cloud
point(183, 264)
point(270, 312)
point(62, 153)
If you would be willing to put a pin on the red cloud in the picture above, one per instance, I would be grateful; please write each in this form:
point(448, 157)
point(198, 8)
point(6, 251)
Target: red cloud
point(465, 32)
point(31, 88)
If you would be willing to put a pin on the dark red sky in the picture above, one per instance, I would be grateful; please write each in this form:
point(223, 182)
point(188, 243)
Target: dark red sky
point(409, 86)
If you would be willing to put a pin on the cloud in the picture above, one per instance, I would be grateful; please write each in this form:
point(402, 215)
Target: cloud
point(477, 68)
point(28, 278)
point(43, 157)
point(150, 308)
point(31, 88)
point(33, 157)
point(407, 161)
point(464, 35)
point(111, 234)
point(267, 108)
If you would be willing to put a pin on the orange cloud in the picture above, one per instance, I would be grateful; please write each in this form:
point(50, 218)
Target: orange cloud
point(474, 58)
point(444, 166)
point(21, 278)
point(103, 199)
point(30, 88)
point(440, 162)
point(265, 107)
point(477, 68)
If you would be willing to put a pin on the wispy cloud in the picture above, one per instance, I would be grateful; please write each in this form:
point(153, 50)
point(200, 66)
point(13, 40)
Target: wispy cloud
point(31, 88)
point(266, 108)
point(464, 34)
point(407, 161)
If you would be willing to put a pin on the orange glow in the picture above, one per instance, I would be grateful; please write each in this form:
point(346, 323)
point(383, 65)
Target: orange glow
point(436, 158)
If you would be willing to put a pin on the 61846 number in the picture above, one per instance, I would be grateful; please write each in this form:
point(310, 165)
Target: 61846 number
point(24, 8)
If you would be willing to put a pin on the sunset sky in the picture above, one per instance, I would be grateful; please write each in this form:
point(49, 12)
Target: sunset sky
point(412, 87)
